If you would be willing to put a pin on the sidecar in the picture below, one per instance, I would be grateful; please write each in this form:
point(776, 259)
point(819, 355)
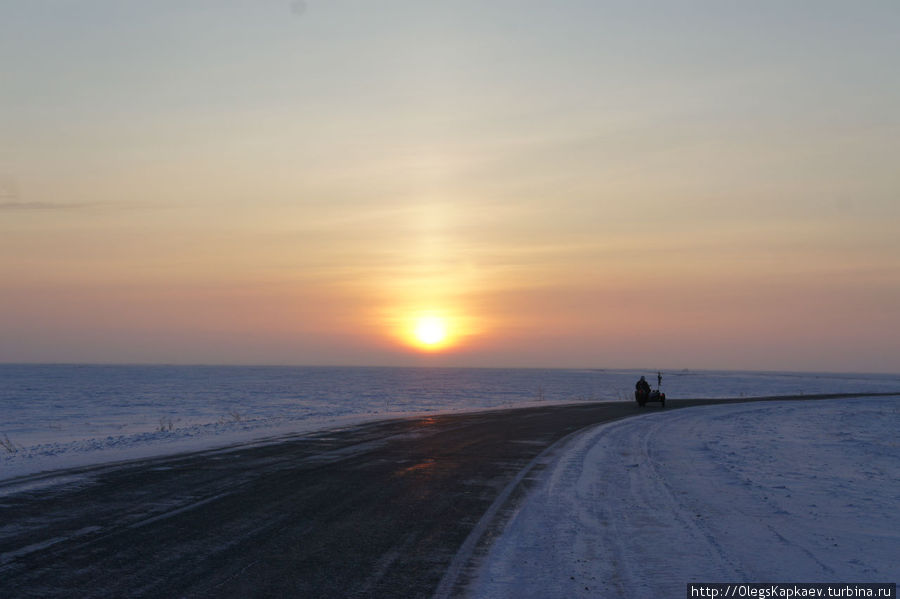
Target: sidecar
point(642, 397)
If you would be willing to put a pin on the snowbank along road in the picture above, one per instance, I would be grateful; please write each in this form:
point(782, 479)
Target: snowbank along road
point(775, 491)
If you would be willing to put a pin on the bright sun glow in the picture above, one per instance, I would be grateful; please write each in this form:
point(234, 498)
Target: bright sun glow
point(431, 331)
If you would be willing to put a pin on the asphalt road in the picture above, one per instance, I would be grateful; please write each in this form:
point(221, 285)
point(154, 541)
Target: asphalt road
point(391, 509)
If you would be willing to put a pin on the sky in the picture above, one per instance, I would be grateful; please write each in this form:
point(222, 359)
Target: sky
point(698, 184)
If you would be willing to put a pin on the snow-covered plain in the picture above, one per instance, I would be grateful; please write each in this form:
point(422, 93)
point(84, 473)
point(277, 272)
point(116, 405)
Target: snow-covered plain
point(59, 416)
point(760, 492)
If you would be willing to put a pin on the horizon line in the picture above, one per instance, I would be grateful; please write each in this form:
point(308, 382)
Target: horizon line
point(670, 371)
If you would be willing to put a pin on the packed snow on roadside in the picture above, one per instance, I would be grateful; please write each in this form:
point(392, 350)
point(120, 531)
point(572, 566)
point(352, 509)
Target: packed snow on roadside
point(773, 492)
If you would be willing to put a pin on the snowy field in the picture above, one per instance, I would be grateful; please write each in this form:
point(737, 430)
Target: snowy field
point(58, 416)
point(772, 492)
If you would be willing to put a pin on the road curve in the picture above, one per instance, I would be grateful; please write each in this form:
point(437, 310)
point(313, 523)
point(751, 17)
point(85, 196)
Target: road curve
point(390, 509)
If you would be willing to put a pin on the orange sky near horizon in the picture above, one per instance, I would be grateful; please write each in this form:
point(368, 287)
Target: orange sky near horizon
point(577, 185)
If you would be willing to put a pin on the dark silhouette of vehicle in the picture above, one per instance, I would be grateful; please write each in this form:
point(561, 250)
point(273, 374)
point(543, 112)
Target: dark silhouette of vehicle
point(644, 394)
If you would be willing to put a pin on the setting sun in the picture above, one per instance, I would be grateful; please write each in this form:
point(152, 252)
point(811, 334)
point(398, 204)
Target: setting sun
point(431, 331)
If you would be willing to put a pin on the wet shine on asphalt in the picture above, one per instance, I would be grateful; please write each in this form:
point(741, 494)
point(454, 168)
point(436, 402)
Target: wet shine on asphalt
point(391, 509)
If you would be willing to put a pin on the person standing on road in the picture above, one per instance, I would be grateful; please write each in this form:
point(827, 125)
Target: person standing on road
point(642, 387)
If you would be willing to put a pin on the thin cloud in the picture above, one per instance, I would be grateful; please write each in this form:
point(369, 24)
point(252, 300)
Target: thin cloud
point(15, 205)
point(8, 204)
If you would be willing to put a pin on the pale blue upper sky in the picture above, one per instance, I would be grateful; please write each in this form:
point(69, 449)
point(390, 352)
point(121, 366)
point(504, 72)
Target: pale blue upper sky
point(559, 177)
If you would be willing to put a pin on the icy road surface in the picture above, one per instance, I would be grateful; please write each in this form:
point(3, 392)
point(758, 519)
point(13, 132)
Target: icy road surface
point(757, 492)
